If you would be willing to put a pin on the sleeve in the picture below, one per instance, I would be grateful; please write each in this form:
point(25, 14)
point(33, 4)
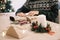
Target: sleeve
point(25, 8)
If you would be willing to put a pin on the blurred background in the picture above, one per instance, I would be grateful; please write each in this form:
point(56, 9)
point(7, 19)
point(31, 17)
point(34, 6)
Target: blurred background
point(50, 8)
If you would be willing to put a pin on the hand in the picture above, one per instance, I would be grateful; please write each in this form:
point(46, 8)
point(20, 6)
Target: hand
point(21, 14)
point(32, 13)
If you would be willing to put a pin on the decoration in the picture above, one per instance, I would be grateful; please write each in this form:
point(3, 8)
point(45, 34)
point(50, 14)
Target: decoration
point(5, 6)
point(40, 28)
point(15, 33)
point(28, 20)
point(12, 18)
point(22, 22)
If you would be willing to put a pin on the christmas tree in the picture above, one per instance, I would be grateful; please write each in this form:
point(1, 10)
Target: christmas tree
point(5, 6)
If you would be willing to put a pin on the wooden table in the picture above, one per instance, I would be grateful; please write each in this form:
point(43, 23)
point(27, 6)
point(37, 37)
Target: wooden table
point(5, 22)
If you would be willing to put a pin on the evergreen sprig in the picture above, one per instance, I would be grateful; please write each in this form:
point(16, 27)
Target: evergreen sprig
point(40, 28)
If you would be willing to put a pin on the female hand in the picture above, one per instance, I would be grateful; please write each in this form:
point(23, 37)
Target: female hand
point(21, 14)
point(32, 13)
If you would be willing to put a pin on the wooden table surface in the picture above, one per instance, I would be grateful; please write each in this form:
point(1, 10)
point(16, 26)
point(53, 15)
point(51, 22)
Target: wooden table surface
point(5, 22)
